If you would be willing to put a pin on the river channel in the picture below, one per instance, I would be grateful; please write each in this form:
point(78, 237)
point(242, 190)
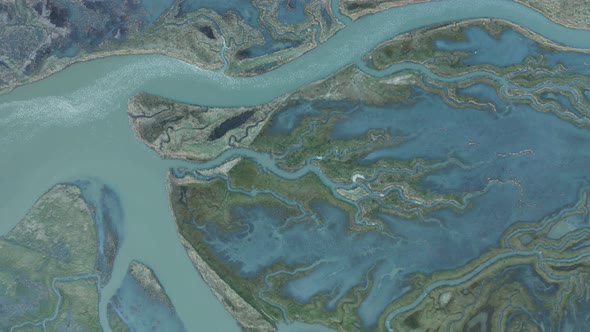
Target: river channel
point(73, 125)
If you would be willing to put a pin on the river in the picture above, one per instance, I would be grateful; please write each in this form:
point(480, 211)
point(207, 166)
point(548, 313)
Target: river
point(74, 125)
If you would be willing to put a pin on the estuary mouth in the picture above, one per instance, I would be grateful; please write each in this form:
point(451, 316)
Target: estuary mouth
point(341, 165)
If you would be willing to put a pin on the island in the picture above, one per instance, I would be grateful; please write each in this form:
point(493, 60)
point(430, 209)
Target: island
point(394, 199)
point(141, 303)
point(51, 265)
point(242, 38)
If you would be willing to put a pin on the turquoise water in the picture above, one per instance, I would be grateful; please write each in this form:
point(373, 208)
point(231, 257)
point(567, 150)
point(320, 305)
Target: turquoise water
point(73, 125)
point(107, 213)
point(510, 49)
point(141, 311)
point(519, 165)
point(291, 12)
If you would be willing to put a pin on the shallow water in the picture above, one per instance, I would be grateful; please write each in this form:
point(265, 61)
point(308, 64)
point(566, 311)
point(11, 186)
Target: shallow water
point(73, 125)
point(107, 213)
point(141, 311)
point(508, 167)
point(291, 12)
point(510, 49)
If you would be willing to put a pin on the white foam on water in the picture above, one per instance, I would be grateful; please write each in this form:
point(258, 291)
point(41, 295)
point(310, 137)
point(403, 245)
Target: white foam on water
point(25, 118)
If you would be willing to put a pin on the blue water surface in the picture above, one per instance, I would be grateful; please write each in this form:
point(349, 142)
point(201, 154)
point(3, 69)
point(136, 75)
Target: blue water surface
point(511, 47)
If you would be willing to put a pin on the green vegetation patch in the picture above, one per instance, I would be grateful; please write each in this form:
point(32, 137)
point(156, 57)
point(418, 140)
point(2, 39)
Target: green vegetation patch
point(56, 238)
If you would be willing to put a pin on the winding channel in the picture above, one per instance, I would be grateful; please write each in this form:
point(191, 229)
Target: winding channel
point(43, 322)
point(74, 125)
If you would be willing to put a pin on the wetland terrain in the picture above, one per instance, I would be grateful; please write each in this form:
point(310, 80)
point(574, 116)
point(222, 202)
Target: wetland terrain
point(430, 177)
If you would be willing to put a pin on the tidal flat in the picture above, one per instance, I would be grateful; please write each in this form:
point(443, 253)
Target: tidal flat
point(384, 197)
point(59, 257)
point(239, 37)
point(53, 263)
point(573, 14)
point(141, 303)
point(338, 178)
